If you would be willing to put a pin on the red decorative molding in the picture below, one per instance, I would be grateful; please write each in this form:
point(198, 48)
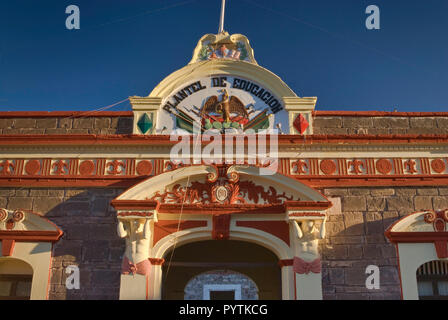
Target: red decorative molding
point(135, 204)
point(279, 229)
point(323, 113)
point(135, 213)
point(438, 219)
point(438, 165)
point(32, 167)
point(86, 168)
point(157, 261)
point(205, 192)
point(163, 228)
point(65, 114)
point(285, 263)
point(328, 167)
point(221, 227)
point(315, 172)
point(31, 236)
point(307, 205)
point(164, 140)
point(440, 240)
point(384, 166)
point(213, 209)
point(7, 247)
point(144, 168)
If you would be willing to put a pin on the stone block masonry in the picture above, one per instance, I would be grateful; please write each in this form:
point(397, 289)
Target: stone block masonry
point(355, 237)
point(89, 241)
point(70, 124)
point(401, 123)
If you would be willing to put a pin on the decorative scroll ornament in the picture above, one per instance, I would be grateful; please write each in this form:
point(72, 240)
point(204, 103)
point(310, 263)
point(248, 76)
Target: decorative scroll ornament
point(235, 193)
point(438, 219)
point(11, 220)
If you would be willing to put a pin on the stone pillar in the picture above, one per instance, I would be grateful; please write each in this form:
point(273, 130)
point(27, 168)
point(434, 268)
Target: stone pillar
point(155, 282)
point(288, 287)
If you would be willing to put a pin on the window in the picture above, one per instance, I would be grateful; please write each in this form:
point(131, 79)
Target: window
point(432, 280)
point(15, 287)
point(222, 292)
point(222, 295)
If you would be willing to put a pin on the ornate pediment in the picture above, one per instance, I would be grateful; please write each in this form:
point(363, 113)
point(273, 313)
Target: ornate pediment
point(221, 184)
point(424, 221)
point(18, 220)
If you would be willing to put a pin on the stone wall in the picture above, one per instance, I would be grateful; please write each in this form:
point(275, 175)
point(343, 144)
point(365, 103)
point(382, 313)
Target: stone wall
point(355, 237)
point(89, 241)
point(67, 125)
point(323, 124)
point(380, 125)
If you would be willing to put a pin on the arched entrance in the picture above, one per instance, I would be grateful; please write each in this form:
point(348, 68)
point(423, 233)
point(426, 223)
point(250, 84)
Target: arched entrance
point(236, 257)
point(220, 204)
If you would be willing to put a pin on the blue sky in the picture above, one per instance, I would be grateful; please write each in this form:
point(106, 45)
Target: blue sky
point(319, 48)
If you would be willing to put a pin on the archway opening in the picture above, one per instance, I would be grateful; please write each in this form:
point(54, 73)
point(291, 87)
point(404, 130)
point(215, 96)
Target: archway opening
point(228, 262)
point(432, 280)
point(16, 277)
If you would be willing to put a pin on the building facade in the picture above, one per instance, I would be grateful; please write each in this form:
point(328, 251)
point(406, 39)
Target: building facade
point(193, 195)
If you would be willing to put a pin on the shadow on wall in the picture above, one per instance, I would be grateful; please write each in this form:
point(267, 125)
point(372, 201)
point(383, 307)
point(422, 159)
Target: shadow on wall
point(90, 241)
point(355, 240)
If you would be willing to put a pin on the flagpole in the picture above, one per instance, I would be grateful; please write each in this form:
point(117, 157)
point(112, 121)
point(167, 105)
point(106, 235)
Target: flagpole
point(221, 22)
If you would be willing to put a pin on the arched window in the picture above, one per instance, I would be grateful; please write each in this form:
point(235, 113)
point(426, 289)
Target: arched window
point(432, 280)
point(16, 277)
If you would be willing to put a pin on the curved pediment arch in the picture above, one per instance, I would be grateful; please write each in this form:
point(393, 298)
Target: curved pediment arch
point(227, 185)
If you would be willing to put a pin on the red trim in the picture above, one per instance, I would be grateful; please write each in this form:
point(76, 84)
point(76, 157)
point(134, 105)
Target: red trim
point(307, 214)
point(286, 139)
point(64, 114)
point(285, 262)
point(216, 209)
point(49, 272)
point(313, 182)
point(399, 270)
point(8, 247)
point(307, 205)
point(135, 204)
point(318, 113)
point(31, 236)
point(416, 237)
point(221, 227)
point(163, 228)
point(323, 113)
point(279, 229)
point(157, 261)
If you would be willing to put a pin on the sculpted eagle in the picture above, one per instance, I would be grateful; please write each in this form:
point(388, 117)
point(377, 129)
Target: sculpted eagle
point(225, 107)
